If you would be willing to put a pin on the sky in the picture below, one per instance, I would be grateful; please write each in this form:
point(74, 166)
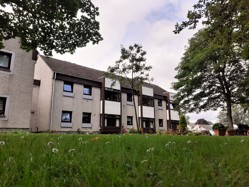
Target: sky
point(149, 23)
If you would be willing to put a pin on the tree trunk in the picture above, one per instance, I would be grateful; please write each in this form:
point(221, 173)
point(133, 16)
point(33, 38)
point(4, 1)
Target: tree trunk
point(229, 115)
point(135, 108)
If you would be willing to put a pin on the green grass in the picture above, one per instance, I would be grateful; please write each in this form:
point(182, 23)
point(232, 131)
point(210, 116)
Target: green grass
point(123, 160)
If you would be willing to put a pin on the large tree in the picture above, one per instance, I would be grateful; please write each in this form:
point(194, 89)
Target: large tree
point(208, 75)
point(232, 15)
point(131, 69)
point(49, 25)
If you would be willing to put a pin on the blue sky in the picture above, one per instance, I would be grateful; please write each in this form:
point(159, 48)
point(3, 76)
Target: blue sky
point(149, 23)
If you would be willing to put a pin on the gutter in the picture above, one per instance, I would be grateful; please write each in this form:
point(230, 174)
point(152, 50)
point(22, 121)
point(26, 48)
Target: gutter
point(52, 102)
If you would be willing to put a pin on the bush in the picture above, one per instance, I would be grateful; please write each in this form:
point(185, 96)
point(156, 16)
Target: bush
point(219, 126)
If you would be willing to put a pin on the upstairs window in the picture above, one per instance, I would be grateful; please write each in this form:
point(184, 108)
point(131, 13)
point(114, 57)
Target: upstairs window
point(66, 116)
point(5, 61)
point(160, 102)
point(2, 106)
point(87, 90)
point(129, 120)
point(112, 96)
point(148, 101)
point(68, 87)
point(86, 118)
point(129, 97)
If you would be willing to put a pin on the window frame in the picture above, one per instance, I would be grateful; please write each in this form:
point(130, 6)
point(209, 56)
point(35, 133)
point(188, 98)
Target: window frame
point(131, 117)
point(70, 114)
point(145, 103)
point(89, 88)
point(10, 63)
point(129, 97)
point(160, 124)
point(3, 113)
point(70, 84)
point(160, 102)
point(112, 93)
point(89, 117)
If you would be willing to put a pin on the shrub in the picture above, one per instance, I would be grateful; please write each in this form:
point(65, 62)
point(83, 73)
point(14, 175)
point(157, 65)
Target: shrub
point(182, 123)
point(219, 126)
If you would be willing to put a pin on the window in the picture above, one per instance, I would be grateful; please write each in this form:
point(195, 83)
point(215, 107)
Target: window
point(160, 122)
point(112, 96)
point(5, 61)
point(172, 106)
point(112, 120)
point(129, 97)
point(86, 118)
point(148, 122)
point(66, 116)
point(160, 102)
point(87, 90)
point(2, 106)
point(148, 101)
point(68, 87)
point(129, 120)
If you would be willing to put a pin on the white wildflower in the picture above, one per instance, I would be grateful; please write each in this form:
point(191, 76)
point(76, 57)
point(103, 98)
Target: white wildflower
point(143, 161)
point(107, 142)
point(242, 141)
point(50, 143)
point(55, 150)
point(22, 137)
point(150, 149)
point(189, 141)
point(80, 139)
point(71, 150)
point(2, 142)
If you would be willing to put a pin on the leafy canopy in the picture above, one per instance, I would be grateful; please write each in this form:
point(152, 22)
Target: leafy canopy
point(50, 25)
point(208, 75)
point(216, 14)
point(131, 68)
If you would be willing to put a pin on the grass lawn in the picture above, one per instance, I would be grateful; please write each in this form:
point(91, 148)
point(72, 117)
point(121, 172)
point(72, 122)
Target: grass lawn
point(122, 160)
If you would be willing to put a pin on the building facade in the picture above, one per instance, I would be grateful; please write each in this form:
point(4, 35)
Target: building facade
point(16, 86)
point(70, 97)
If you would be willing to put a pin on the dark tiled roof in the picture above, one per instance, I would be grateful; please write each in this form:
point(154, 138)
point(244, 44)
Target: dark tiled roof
point(71, 69)
point(75, 70)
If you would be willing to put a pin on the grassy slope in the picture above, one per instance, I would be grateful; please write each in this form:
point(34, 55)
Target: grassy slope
point(123, 160)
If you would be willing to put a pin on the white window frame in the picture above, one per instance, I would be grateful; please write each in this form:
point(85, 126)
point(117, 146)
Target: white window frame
point(11, 62)
point(6, 112)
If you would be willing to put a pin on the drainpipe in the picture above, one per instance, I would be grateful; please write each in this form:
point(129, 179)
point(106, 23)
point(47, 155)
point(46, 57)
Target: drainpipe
point(52, 102)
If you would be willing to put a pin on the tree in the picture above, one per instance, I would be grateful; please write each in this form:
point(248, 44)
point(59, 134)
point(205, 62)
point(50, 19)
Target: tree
point(240, 116)
point(50, 25)
point(202, 121)
point(208, 76)
point(227, 23)
point(232, 15)
point(182, 123)
point(131, 69)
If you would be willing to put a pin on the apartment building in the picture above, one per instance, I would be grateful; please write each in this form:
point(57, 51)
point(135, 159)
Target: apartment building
point(70, 97)
point(16, 86)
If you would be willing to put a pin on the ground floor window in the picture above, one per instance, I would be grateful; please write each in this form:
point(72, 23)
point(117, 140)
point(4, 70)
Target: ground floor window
point(2, 106)
point(66, 116)
point(112, 120)
point(86, 118)
point(148, 122)
point(160, 122)
point(129, 120)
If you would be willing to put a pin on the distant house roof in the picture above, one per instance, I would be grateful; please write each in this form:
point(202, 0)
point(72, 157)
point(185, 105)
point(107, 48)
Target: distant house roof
point(75, 70)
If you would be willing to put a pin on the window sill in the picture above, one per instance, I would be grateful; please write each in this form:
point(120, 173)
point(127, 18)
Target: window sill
point(129, 103)
point(68, 94)
point(160, 108)
point(86, 125)
point(87, 97)
point(129, 126)
point(66, 125)
point(3, 118)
